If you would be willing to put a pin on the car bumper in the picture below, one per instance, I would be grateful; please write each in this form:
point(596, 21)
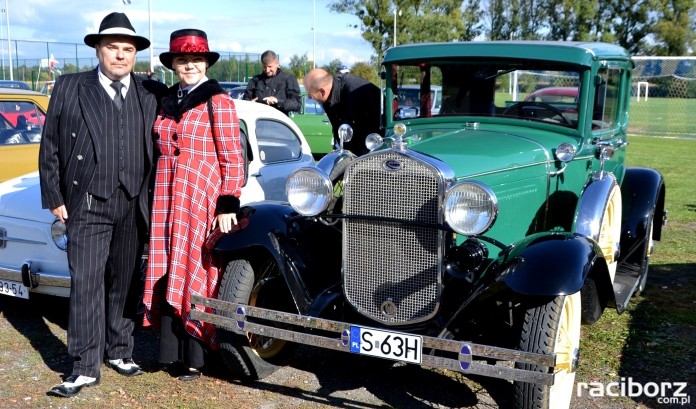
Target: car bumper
point(37, 281)
point(464, 357)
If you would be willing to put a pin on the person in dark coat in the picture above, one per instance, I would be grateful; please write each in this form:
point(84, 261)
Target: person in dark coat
point(273, 86)
point(95, 161)
point(347, 99)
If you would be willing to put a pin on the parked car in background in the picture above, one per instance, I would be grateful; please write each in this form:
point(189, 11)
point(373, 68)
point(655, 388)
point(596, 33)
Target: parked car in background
point(47, 88)
point(14, 84)
point(311, 119)
point(230, 85)
point(237, 92)
point(22, 115)
point(477, 239)
point(411, 102)
point(555, 95)
point(33, 241)
point(315, 125)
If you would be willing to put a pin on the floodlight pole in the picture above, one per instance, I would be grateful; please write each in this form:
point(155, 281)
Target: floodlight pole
point(395, 13)
point(152, 39)
point(9, 43)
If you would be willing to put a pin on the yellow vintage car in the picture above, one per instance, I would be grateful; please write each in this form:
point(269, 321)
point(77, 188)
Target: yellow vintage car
point(22, 115)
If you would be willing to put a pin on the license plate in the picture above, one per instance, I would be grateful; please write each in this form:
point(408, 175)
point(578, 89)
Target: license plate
point(386, 344)
point(13, 289)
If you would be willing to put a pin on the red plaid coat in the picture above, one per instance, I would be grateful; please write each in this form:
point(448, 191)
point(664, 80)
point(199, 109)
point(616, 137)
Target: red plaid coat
point(196, 166)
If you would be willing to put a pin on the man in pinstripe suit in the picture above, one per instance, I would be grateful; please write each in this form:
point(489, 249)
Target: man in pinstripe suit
point(95, 162)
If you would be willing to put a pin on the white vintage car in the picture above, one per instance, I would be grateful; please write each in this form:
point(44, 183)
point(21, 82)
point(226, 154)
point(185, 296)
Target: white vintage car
point(33, 241)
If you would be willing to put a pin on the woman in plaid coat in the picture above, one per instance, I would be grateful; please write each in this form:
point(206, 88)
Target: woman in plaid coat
point(197, 187)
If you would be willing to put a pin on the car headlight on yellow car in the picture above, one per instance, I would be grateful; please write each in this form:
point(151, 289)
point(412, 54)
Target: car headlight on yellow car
point(470, 208)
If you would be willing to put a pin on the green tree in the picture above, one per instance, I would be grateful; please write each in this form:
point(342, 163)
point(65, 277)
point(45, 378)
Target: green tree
point(365, 70)
point(571, 20)
point(417, 21)
point(332, 67)
point(674, 30)
point(516, 19)
point(376, 21)
point(631, 24)
point(299, 65)
point(472, 20)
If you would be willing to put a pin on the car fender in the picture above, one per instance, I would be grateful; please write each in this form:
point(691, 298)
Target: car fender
point(591, 205)
point(273, 228)
point(550, 264)
point(643, 191)
point(258, 224)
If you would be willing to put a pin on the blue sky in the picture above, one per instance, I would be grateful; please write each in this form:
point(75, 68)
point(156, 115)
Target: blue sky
point(231, 25)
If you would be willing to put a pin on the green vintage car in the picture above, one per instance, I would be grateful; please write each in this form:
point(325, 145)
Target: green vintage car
point(315, 125)
point(476, 238)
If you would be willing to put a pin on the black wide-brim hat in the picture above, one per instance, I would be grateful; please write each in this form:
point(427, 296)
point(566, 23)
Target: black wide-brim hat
point(117, 24)
point(188, 41)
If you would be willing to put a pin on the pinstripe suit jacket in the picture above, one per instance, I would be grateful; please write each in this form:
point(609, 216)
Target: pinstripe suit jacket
point(70, 144)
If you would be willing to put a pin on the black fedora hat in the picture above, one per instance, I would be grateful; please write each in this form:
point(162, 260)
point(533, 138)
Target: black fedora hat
point(188, 41)
point(117, 24)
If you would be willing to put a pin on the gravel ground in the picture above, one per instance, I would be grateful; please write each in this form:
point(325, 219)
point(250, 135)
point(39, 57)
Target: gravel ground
point(33, 357)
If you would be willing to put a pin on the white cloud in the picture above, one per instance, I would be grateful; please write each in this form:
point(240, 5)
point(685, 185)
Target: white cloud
point(251, 26)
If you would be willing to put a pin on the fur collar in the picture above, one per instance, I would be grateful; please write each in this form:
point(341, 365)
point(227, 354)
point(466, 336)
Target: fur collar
point(200, 95)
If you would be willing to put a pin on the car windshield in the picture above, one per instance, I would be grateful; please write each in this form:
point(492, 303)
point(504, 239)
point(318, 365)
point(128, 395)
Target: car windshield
point(529, 90)
point(20, 122)
point(313, 107)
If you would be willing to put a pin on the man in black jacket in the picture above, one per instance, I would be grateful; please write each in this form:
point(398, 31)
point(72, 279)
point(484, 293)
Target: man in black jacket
point(274, 87)
point(347, 99)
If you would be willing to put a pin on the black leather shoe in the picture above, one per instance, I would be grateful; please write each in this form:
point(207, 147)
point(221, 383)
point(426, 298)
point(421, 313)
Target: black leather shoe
point(192, 375)
point(125, 366)
point(72, 385)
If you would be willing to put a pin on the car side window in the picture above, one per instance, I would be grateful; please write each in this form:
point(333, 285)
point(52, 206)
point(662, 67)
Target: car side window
point(277, 142)
point(312, 107)
point(20, 122)
point(606, 104)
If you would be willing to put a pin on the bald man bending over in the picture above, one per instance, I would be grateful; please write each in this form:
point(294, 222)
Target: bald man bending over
point(347, 99)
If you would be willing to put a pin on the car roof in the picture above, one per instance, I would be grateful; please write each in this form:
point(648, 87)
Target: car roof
point(566, 91)
point(12, 83)
point(18, 91)
point(249, 108)
point(574, 52)
point(417, 86)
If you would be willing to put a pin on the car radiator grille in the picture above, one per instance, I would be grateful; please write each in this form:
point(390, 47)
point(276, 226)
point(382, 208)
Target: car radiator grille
point(392, 268)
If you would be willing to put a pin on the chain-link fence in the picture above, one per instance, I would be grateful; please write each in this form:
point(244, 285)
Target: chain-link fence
point(664, 97)
point(36, 62)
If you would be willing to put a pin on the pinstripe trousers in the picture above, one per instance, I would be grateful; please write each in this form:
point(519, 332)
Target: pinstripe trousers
point(104, 253)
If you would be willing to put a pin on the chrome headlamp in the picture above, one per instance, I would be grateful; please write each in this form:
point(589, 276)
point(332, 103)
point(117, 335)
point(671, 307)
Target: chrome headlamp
point(470, 208)
point(309, 191)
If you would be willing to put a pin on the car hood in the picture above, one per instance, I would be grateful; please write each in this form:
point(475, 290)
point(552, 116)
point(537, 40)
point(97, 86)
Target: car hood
point(476, 152)
point(21, 198)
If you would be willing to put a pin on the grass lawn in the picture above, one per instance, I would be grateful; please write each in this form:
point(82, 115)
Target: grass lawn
point(655, 339)
point(663, 117)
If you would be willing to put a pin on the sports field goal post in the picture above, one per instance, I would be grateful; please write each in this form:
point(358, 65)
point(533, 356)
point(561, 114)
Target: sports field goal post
point(664, 97)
